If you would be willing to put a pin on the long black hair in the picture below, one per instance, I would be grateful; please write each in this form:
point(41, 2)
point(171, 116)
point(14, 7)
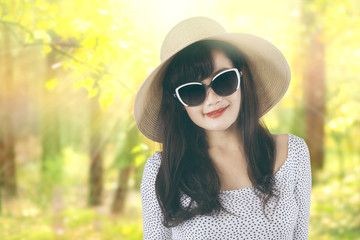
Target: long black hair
point(186, 167)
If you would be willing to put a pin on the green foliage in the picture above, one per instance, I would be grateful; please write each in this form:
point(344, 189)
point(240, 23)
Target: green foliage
point(335, 203)
point(132, 151)
point(51, 176)
point(79, 224)
point(76, 218)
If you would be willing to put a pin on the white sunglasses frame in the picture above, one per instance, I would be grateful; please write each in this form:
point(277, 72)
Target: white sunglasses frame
point(238, 74)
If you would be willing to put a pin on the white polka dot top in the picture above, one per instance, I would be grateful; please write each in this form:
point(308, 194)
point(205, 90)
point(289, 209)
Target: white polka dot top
point(289, 219)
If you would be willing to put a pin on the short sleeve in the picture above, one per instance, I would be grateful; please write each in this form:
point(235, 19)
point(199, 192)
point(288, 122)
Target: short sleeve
point(152, 215)
point(302, 191)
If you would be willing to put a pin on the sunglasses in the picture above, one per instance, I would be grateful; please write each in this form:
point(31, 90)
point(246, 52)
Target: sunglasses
point(223, 84)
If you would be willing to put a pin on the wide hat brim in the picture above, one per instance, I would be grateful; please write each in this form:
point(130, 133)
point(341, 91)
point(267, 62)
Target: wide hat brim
point(267, 65)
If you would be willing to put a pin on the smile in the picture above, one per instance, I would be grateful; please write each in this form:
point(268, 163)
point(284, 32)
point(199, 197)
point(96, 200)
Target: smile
point(216, 113)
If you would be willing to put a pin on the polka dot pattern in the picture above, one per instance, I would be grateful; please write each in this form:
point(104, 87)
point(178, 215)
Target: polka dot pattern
point(287, 219)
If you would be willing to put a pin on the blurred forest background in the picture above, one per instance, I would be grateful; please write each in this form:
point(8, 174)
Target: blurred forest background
point(71, 158)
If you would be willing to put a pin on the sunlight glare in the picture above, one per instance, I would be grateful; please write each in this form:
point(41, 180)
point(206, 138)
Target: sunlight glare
point(295, 13)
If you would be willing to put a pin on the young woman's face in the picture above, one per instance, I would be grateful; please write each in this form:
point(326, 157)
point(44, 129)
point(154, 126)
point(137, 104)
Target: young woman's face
point(216, 113)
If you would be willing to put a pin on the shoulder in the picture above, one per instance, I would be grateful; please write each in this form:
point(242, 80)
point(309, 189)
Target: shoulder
point(281, 141)
point(288, 142)
point(154, 160)
point(292, 148)
point(300, 160)
point(151, 168)
point(298, 146)
point(299, 153)
point(281, 146)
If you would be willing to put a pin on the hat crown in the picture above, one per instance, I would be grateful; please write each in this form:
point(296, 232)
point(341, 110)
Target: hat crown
point(187, 32)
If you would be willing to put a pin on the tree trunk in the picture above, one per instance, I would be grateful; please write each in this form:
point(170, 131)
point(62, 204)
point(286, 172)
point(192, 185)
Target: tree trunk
point(125, 158)
point(121, 191)
point(96, 156)
point(96, 176)
point(7, 138)
point(315, 91)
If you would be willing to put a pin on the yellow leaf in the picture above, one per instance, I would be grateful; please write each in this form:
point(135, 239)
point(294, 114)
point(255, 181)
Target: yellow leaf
point(93, 92)
point(106, 100)
point(89, 42)
point(42, 6)
point(65, 65)
point(42, 35)
point(107, 77)
point(52, 83)
point(8, 17)
point(78, 84)
point(88, 83)
point(53, 9)
point(139, 160)
point(126, 230)
point(43, 25)
point(136, 149)
point(46, 49)
point(29, 38)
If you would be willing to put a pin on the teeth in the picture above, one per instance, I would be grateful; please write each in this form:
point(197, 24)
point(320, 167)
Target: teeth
point(217, 111)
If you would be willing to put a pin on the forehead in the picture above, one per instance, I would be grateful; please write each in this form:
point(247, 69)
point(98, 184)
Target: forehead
point(221, 61)
point(196, 65)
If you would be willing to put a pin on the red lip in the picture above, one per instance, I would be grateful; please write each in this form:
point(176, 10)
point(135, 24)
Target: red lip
point(216, 113)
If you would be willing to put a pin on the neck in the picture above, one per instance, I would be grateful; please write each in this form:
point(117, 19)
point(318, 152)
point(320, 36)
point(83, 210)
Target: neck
point(224, 140)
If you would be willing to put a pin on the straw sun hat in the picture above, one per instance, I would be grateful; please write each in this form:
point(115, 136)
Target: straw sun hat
point(267, 65)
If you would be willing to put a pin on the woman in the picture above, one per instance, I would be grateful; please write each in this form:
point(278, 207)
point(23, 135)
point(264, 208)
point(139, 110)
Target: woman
point(221, 174)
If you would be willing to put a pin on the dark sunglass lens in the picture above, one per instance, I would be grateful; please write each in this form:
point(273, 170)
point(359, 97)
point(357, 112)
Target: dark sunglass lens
point(225, 84)
point(192, 95)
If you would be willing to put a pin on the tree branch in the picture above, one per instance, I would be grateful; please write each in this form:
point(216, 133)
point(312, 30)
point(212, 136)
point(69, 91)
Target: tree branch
point(54, 48)
point(25, 29)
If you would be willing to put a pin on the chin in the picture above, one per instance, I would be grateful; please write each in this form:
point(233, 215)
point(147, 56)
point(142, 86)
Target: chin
point(220, 127)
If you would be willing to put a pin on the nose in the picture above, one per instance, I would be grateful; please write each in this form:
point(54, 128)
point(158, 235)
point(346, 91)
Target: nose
point(212, 97)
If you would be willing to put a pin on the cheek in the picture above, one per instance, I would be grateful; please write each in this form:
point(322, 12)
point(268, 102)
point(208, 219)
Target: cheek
point(236, 99)
point(191, 111)
point(194, 114)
